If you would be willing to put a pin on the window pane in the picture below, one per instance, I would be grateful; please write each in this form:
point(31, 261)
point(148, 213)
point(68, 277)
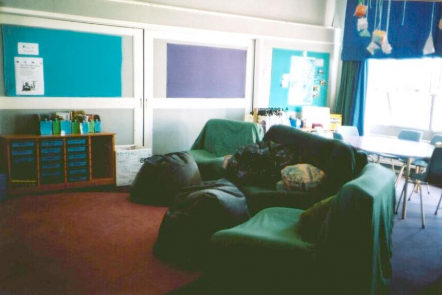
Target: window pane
point(437, 113)
point(399, 93)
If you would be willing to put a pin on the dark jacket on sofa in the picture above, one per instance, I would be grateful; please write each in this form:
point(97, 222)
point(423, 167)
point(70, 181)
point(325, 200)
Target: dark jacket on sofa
point(340, 162)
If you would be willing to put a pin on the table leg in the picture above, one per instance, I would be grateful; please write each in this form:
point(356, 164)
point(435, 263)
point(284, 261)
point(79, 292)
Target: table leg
point(407, 169)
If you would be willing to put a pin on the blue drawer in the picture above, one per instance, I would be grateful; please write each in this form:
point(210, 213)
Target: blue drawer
point(77, 149)
point(78, 178)
point(50, 158)
point(22, 152)
point(50, 165)
point(77, 164)
point(77, 156)
point(23, 160)
point(45, 151)
point(15, 144)
point(77, 171)
point(50, 173)
point(52, 143)
point(76, 141)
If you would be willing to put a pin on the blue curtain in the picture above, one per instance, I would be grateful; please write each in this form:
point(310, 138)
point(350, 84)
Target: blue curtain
point(407, 39)
point(352, 93)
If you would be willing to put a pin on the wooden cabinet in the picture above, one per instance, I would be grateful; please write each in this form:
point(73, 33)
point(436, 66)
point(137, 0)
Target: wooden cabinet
point(35, 163)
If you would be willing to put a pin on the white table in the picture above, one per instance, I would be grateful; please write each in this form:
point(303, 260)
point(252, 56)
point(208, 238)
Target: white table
point(405, 149)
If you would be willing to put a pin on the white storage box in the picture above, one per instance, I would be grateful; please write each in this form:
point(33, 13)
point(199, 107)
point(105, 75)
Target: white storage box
point(129, 159)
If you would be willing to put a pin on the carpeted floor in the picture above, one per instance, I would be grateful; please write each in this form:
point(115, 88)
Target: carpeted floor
point(100, 243)
point(82, 243)
point(417, 252)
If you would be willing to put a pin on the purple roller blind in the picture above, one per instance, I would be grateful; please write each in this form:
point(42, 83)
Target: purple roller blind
point(205, 72)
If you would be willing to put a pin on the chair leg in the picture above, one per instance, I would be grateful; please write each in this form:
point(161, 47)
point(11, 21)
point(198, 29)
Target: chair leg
point(412, 191)
point(399, 176)
point(400, 199)
point(438, 204)
point(422, 211)
point(428, 187)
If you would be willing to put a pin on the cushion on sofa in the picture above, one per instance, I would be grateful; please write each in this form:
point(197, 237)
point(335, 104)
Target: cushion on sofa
point(302, 177)
point(312, 219)
point(195, 214)
point(161, 178)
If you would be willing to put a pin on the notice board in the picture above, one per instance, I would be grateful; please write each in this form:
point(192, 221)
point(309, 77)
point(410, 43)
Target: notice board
point(75, 64)
point(205, 72)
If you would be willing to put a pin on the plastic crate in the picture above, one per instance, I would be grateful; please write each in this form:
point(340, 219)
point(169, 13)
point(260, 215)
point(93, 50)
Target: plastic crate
point(51, 143)
point(77, 171)
point(45, 151)
point(23, 160)
point(81, 156)
point(78, 178)
point(16, 144)
point(22, 152)
point(50, 173)
point(74, 149)
point(76, 141)
point(77, 164)
point(50, 158)
point(50, 165)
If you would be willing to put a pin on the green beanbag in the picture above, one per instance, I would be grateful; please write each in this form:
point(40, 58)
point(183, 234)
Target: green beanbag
point(162, 177)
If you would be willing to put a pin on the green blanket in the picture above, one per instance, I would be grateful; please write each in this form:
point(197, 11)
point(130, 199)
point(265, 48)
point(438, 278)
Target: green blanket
point(223, 137)
point(355, 241)
point(219, 138)
point(353, 251)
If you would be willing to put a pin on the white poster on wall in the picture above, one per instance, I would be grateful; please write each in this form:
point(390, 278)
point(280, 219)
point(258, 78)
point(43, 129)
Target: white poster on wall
point(29, 79)
point(302, 71)
point(28, 48)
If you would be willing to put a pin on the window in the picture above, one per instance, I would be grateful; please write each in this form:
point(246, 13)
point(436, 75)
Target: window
point(405, 93)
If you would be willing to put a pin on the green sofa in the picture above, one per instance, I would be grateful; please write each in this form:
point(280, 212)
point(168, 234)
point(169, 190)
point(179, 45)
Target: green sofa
point(221, 137)
point(340, 162)
point(351, 254)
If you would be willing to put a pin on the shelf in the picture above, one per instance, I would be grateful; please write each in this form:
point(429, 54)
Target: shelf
point(52, 164)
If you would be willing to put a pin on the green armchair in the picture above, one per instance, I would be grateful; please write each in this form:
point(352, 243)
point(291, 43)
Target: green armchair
point(350, 255)
point(219, 138)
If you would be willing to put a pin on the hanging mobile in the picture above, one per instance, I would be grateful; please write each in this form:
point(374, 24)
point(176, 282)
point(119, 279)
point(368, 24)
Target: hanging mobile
point(361, 9)
point(386, 47)
point(377, 35)
point(363, 23)
point(429, 45)
point(403, 12)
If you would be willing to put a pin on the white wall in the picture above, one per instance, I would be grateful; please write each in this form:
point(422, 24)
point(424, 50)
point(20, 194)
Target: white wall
point(297, 11)
point(143, 12)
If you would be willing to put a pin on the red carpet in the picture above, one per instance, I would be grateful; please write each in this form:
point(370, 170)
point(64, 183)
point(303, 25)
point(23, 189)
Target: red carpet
point(83, 243)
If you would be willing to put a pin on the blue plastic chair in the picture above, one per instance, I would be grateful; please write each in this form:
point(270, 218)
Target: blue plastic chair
point(410, 135)
point(422, 164)
point(337, 135)
point(405, 134)
point(348, 131)
point(432, 175)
